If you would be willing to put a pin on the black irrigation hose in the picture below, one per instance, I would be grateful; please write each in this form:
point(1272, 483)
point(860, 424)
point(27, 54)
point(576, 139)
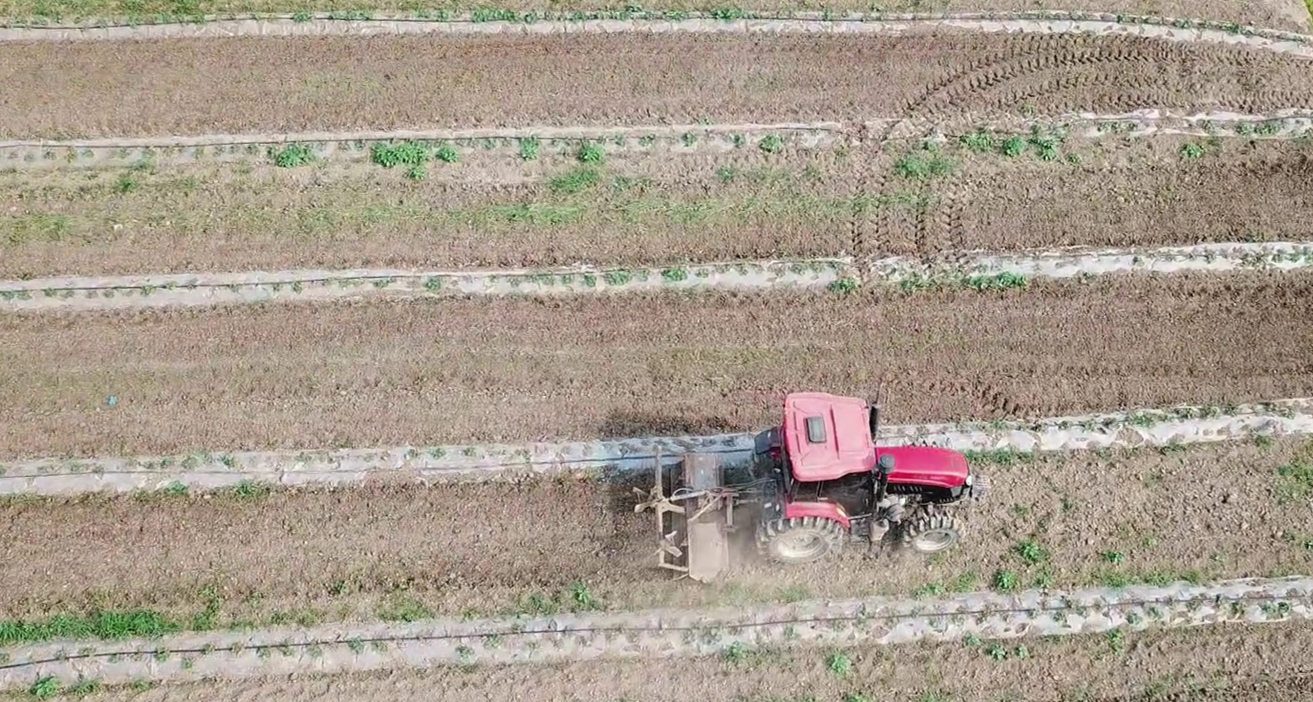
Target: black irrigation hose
point(1217, 600)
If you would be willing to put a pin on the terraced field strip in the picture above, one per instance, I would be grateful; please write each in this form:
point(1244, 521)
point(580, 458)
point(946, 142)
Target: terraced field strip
point(54, 154)
point(659, 23)
point(1202, 664)
point(227, 288)
point(380, 83)
point(1158, 427)
point(561, 368)
point(967, 269)
point(657, 634)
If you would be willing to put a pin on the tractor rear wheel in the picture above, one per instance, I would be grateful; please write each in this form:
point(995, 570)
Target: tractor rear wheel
point(931, 532)
point(800, 540)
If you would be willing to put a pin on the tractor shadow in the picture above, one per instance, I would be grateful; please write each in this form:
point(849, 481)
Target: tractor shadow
point(626, 425)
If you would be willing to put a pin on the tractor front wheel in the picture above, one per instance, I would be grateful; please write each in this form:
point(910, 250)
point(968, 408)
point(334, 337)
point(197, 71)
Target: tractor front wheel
point(800, 540)
point(931, 532)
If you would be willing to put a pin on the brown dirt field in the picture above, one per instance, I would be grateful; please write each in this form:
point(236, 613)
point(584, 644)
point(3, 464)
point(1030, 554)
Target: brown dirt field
point(1205, 512)
point(1236, 664)
point(274, 84)
point(659, 210)
point(649, 209)
point(427, 372)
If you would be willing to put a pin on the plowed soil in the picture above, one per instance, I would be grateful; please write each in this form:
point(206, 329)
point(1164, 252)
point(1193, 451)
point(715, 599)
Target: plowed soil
point(423, 372)
point(651, 209)
point(272, 84)
point(1213, 663)
point(1201, 513)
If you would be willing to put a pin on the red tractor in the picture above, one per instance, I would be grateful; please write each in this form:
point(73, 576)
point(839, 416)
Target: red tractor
point(818, 481)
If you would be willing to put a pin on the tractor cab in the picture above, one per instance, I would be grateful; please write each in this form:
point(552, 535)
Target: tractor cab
point(823, 437)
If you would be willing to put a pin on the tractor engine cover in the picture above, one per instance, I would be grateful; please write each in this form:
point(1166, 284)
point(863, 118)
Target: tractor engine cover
point(927, 470)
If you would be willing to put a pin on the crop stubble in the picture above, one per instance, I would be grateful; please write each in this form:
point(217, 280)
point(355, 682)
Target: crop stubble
point(651, 209)
point(236, 85)
point(425, 372)
point(1206, 512)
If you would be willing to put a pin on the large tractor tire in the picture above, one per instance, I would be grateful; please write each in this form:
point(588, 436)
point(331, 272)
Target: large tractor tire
point(930, 532)
point(800, 540)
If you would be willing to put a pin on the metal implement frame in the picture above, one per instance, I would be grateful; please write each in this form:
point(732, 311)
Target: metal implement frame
point(702, 543)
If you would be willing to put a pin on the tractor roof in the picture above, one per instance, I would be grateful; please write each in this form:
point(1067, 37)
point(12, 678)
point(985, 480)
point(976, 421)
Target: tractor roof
point(827, 436)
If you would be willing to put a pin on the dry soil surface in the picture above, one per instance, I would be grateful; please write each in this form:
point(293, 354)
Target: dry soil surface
point(280, 85)
point(455, 371)
point(652, 209)
point(1207, 512)
point(1216, 663)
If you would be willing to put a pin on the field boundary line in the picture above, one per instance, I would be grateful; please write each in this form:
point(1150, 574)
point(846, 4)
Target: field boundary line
point(347, 648)
point(505, 142)
point(968, 269)
point(1171, 426)
point(735, 22)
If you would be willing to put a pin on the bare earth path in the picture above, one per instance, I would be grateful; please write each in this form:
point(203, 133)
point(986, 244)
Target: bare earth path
point(432, 372)
point(64, 90)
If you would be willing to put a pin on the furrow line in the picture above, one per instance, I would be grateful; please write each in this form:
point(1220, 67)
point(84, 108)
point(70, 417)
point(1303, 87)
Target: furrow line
point(1179, 29)
point(663, 633)
point(355, 146)
point(975, 269)
point(1144, 428)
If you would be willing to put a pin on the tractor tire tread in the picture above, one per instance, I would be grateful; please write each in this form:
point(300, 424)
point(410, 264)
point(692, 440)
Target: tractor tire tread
point(833, 532)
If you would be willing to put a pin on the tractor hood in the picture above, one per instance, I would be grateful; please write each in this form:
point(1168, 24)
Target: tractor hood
point(927, 465)
point(827, 436)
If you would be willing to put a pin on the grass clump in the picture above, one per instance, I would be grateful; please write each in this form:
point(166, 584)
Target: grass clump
point(1295, 481)
point(575, 181)
point(403, 607)
point(981, 142)
point(1013, 146)
point(839, 663)
point(251, 490)
point(771, 144)
point(924, 164)
point(446, 154)
point(1006, 581)
point(1031, 552)
point(529, 147)
point(406, 153)
point(127, 183)
point(843, 286)
point(292, 156)
point(45, 687)
point(1191, 151)
point(106, 624)
point(590, 153)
